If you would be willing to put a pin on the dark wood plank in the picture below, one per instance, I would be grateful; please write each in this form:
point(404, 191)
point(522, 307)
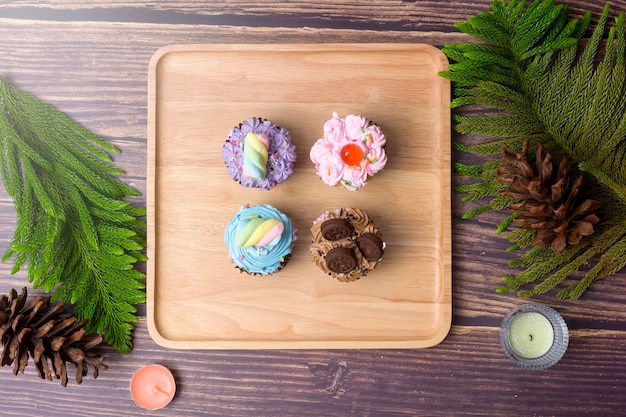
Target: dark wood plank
point(467, 375)
point(378, 15)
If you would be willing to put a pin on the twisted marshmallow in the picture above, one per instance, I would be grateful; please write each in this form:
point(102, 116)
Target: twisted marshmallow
point(258, 232)
point(255, 155)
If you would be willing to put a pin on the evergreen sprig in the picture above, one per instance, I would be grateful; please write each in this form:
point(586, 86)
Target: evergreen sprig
point(539, 81)
point(75, 231)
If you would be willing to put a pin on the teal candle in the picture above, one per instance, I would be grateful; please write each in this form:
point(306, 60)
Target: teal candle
point(531, 334)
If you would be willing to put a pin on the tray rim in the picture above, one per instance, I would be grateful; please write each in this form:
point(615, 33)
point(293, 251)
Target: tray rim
point(444, 302)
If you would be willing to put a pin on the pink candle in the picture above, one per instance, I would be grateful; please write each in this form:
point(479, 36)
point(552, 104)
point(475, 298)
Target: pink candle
point(152, 387)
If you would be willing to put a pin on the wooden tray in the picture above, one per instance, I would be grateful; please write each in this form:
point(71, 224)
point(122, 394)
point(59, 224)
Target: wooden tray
point(196, 298)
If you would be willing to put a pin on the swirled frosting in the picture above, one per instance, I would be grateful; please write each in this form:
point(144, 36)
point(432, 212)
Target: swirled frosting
point(332, 250)
point(281, 153)
point(351, 151)
point(259, 239)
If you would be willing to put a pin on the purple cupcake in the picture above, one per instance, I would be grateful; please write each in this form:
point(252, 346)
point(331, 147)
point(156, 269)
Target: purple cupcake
point(259, 154)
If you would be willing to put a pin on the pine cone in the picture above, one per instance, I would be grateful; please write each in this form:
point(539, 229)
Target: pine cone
point(47, 334)
point(549, 201)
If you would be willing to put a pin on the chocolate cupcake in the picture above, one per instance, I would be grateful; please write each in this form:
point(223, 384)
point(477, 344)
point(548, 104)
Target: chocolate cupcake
point(347, 245)
point(259, 154)
point(260, 239)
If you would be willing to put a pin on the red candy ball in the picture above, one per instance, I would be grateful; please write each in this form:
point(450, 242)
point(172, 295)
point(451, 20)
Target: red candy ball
point(351, 154)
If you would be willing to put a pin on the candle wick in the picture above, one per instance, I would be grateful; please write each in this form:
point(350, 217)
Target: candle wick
point(531, 337)
point(157, 390)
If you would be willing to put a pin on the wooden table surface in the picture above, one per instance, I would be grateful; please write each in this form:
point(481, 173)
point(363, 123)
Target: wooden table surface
point(90, 59)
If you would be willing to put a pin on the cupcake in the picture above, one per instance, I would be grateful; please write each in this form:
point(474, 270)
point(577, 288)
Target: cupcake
point(351, 151)
point(259, 154)
point(346, 244)
point(259, 239)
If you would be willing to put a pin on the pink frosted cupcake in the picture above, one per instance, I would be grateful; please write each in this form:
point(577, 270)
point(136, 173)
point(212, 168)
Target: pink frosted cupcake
point(351, 152)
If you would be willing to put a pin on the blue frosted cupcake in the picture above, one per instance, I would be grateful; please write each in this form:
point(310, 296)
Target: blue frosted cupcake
point(260, 239)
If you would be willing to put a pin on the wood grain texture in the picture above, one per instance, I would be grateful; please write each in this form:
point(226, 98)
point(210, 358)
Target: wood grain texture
point(197, 94)
point(468, 375)
point(90, 60)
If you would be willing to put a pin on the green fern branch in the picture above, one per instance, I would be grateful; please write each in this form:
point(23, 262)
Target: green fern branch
point(495, 147)
point(582, 105)
point(520, 238)
point(526, 71)
point(75, 231)
point(480, 190)
point(610, 241)
point(612, 262)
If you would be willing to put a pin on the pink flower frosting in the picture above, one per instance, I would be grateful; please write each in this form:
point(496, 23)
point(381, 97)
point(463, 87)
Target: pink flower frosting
point(351, 150)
